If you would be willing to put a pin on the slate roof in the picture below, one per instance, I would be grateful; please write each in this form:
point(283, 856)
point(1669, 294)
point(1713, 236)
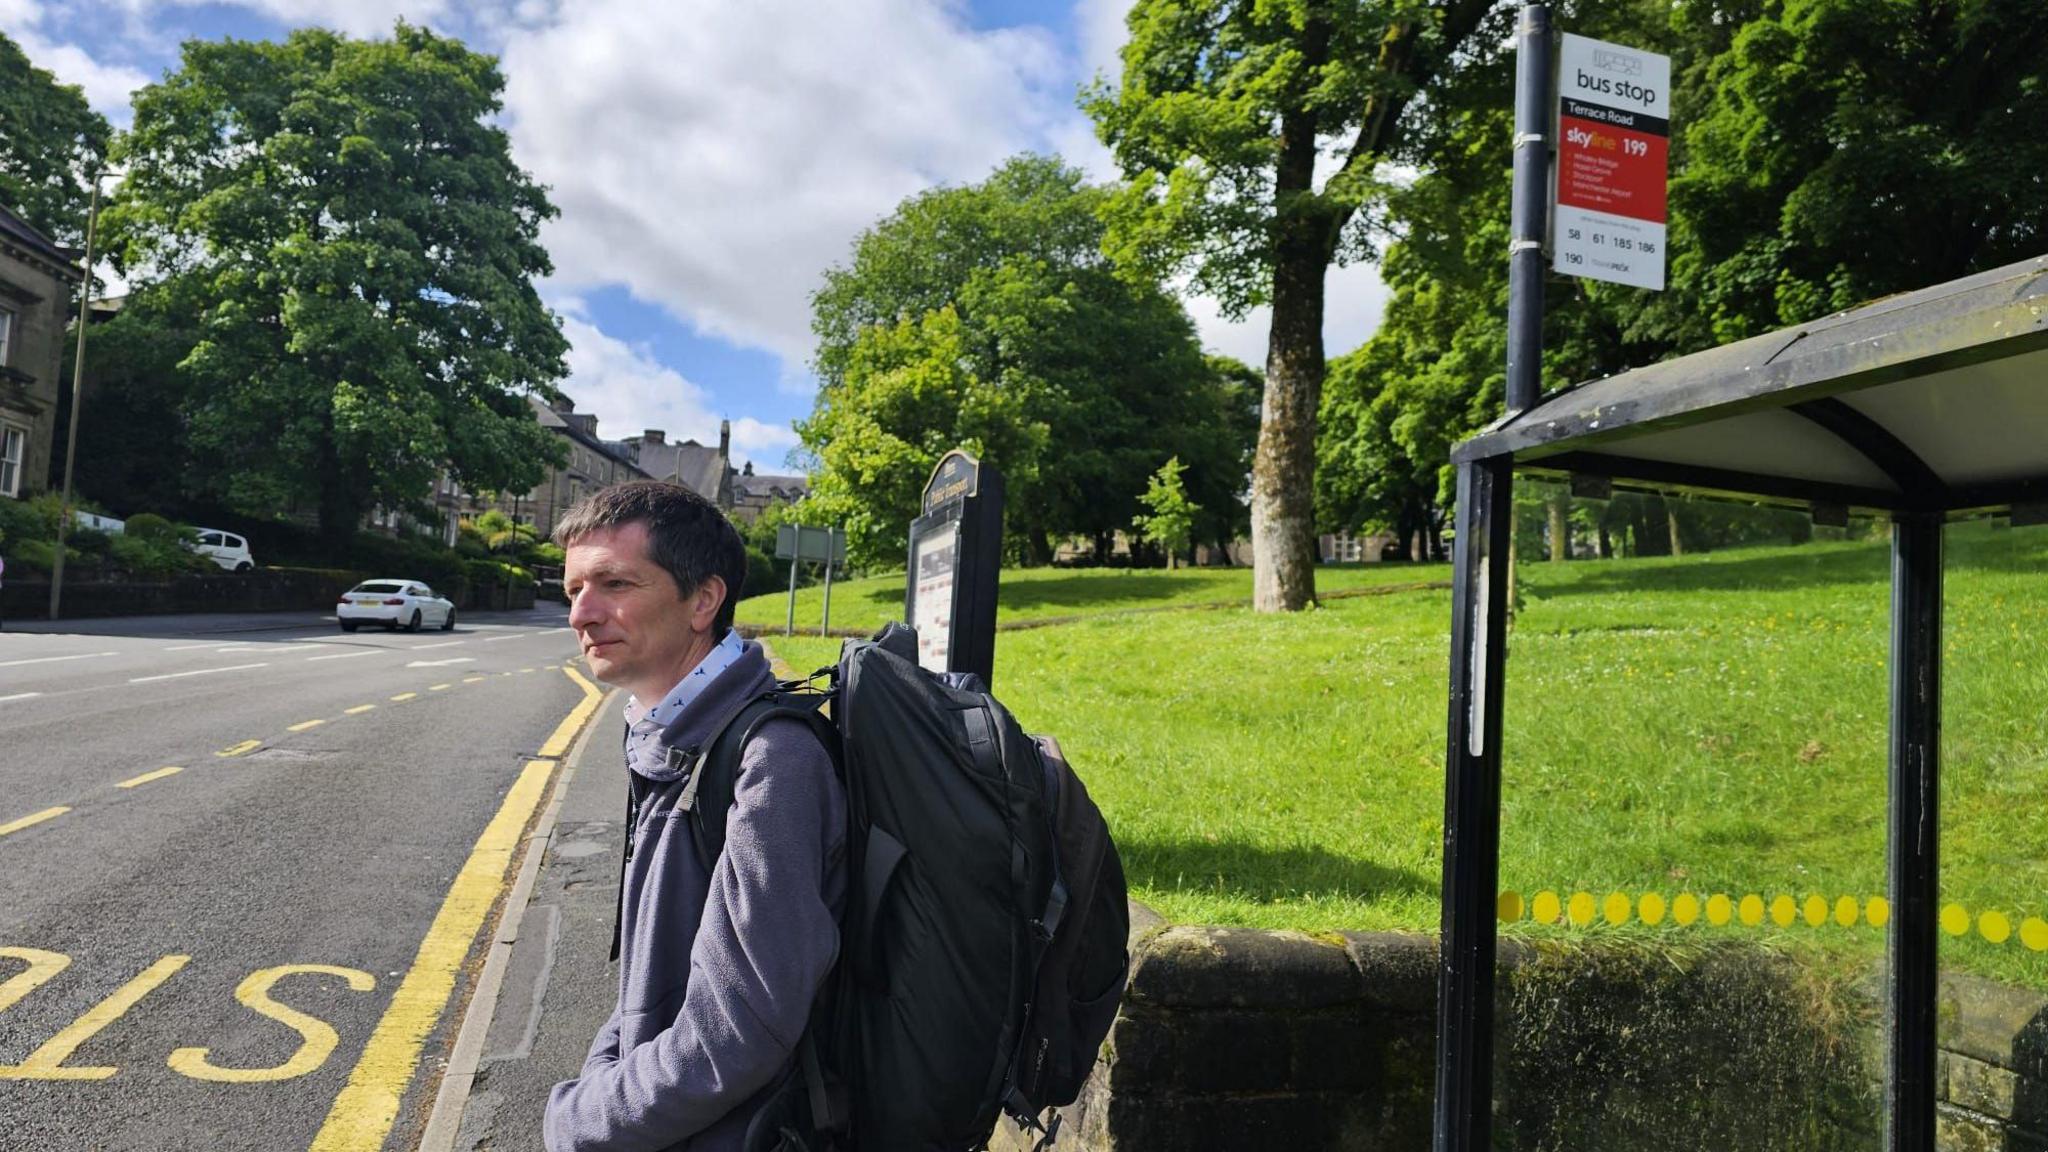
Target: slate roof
point(25, 236)
point(763, 489)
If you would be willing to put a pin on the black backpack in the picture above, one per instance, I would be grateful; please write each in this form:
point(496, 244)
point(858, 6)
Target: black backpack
point(982, 950)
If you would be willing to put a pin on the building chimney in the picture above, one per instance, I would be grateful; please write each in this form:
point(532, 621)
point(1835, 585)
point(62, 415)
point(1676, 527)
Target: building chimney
point(725, 439)
point(654, 436)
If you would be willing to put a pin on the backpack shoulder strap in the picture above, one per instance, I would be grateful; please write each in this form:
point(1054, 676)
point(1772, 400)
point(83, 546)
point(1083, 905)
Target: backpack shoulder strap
point(709, 794)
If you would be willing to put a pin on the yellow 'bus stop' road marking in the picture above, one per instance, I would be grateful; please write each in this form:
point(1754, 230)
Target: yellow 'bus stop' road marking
point(47, 1062)
point(242, 749)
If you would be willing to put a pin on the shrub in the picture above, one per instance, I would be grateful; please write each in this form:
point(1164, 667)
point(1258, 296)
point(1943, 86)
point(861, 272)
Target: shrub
point(158, 557)
point(760, 574)
point(152, 527)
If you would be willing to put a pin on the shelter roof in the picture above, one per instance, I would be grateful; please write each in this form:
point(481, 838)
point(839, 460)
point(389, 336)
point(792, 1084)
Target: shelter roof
point(1934, 399)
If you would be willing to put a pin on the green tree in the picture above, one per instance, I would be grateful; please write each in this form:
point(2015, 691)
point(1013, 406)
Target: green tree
point(1222, 113)
point(341, 224)
point(1836, 151)
point(51, 143)
point(972, 306)
point(1170, 523)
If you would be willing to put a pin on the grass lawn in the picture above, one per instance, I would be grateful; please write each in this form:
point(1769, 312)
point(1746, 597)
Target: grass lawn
point(1040, 593)
point(1709, 724)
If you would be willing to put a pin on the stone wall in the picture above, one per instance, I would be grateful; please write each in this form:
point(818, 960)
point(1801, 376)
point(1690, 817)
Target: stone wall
point(1235, 1039)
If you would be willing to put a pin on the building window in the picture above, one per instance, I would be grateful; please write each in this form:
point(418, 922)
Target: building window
point(13, 449)
point(6, 336)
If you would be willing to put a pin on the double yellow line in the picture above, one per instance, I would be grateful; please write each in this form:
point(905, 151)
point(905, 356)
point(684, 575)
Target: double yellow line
point(367, 1106)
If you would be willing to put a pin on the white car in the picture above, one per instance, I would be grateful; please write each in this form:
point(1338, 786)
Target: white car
point(225, 549)
point(394, 603)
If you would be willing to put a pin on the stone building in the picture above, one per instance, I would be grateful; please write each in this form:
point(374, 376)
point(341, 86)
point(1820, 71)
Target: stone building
point(36, 279)
point(753, 492)
point(702, 469)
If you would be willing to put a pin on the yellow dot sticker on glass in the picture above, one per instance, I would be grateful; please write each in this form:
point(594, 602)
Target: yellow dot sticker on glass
point(1651, 908)
point(1993, 926)
point(1685, 909)
point(1582, 908)
point(1955, 920)
point(1845, 911)
point(1719, 908)
point(1816, 911)
point(1878, 911)
point(1616, 908)
point(2034, 933)
point(1783, 911)
point(1510, 906)
point(1752, 910)
point(1546, 908)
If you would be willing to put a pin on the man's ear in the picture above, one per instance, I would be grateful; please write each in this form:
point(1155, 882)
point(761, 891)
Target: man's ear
point(705, 602)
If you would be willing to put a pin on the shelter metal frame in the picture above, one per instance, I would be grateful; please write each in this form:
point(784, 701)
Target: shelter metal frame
point(1918, 407)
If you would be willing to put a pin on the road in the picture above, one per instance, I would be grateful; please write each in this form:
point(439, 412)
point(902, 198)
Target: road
point(242, 870)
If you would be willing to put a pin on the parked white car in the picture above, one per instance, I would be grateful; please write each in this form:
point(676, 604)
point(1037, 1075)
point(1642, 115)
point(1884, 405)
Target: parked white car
point(394, 603)
point(225, 549)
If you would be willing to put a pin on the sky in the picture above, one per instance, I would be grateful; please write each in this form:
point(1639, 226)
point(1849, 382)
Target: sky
point(710, 160)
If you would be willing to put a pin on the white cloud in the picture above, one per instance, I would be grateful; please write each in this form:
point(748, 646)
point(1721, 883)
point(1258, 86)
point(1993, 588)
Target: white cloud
point(717, 157)
point(629, 391)
point(355, 17)
point(107, 86)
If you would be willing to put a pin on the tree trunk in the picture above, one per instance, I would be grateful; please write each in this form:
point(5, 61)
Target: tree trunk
point(1037, 548)
point(1560, 528)
point(1606, 543)
point(1284, 468)
point(1671, 520)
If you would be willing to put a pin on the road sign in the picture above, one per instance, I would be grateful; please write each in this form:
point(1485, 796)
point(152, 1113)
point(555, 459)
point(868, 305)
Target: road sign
point(818, 545)
point(1613, 146)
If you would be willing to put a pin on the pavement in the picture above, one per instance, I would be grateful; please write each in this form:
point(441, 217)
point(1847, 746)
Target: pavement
point(231, 852)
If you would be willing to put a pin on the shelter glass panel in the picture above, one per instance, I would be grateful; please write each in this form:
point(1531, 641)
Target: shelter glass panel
point(1993, 945)
point(1693, 836)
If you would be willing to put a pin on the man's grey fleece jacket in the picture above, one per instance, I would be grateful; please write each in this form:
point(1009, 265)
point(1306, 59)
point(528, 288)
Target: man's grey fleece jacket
point(716, 973)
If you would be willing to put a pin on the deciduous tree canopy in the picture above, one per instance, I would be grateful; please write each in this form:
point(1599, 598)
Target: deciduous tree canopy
point(987, 316)
point(51, 142)
point(342, 228)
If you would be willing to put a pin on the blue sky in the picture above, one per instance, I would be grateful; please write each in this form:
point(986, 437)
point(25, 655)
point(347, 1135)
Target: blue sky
point(710, 159)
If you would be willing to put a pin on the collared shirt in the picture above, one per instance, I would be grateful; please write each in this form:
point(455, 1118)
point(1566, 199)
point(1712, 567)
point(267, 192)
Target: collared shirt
point(645, 725)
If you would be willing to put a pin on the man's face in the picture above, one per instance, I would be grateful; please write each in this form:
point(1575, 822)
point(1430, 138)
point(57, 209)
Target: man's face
point(636, 629)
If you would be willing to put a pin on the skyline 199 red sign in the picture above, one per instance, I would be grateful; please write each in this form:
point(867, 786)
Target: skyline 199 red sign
point(1613, 152)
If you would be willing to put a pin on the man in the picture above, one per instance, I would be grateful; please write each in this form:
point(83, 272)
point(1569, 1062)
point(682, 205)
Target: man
point(717, 972)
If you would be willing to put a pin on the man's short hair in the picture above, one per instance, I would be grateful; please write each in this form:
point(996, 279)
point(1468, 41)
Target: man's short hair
point(686, 534)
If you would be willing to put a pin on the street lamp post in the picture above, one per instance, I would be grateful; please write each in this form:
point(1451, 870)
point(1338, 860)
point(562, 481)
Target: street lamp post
point(92, 220)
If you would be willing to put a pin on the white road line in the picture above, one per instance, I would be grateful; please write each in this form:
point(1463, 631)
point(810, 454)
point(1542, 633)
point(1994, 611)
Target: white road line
point(54, 659)
point(349, 655)
point(197, 672)
point(439, 663)
point(191, 647)
point(442, 644)
point(268, 648)
point(514, 636)
point(20, 696)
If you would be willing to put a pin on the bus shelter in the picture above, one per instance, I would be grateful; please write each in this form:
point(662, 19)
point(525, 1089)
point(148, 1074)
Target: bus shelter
point(1919, 408)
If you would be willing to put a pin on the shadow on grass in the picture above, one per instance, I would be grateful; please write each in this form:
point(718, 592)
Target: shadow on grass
point(1261, 874)
point(1089, 591)
point(1705, 573)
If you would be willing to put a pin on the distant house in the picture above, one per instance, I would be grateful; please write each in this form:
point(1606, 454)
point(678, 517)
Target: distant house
point(752, 493)
point(702, 469)
point(36, 279)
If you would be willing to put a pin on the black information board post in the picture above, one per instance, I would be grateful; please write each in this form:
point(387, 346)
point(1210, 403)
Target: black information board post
point(956, 553)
